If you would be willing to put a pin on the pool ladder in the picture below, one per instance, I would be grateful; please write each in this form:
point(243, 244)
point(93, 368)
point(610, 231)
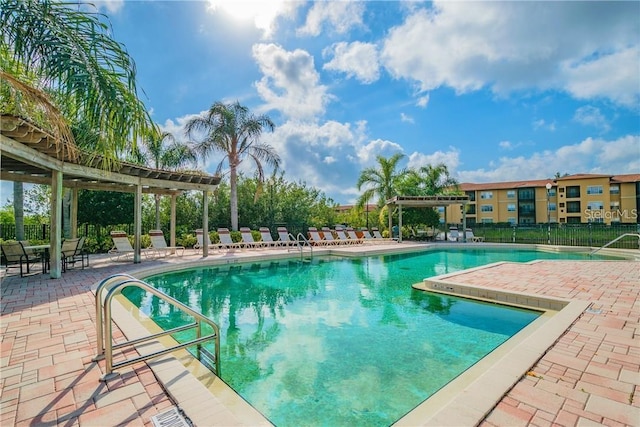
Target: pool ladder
point(302, 243)
point(615, 240)
point(114, 285)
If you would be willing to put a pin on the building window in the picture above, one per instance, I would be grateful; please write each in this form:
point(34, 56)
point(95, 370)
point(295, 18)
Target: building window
point(511, 194)
point(562, 205)
point(594, 189)
point(552, 192)
point(614, 205)
point(573, 207)
point(486, 208)
point(552, 207)
point(526, 194)
point(573, 192)
point(486, 195)
point(487, 220)
point(512, 220)
point(511, 207)
point(595, 206)
point(614, 189)
point(472, 196)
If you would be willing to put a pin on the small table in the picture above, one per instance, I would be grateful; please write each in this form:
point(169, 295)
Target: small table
point(45, 254)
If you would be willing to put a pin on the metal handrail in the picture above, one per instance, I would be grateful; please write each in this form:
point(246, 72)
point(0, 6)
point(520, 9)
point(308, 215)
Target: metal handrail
point(104, 326)
point(302, 241)
point(615, 240)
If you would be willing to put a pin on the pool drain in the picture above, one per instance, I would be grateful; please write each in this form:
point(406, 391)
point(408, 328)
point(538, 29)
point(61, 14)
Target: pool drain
point(170, 418)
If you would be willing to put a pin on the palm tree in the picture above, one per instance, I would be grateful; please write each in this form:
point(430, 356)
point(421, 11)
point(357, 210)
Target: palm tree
point(163, 151)
point(382, 181)
point(81, 73)
point(232, 129)
point(431, 180)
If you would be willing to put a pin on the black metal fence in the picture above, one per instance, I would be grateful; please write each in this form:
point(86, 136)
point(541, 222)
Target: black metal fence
point(593, 235)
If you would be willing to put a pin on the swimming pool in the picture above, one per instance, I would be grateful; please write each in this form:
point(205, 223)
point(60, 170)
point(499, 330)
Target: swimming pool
point(342, 341)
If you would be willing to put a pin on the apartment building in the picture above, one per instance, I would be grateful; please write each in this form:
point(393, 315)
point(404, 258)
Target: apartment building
point(580, 198)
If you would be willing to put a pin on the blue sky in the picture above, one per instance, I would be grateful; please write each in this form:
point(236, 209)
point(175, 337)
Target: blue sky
point(498, 91)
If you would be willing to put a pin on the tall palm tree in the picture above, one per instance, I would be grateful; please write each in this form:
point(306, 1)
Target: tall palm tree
point(82, 73)
point(234, 131)
point(430, 180)
point(381, 181)
point(163, 151)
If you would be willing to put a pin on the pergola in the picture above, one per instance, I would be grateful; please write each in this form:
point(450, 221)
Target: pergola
point(32, 155)
point(427, 202)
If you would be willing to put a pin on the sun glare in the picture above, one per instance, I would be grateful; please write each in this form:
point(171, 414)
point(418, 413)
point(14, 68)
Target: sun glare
point(262, 13)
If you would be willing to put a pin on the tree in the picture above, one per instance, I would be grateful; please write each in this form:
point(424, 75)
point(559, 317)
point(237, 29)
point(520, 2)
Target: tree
point(428, 180)
point(163, 151)
point(232, 129)
point(81, 73)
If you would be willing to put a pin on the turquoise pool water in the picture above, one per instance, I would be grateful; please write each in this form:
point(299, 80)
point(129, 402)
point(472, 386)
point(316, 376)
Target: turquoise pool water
point(341, 341)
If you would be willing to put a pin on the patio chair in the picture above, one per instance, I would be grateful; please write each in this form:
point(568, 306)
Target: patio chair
point(122, 248)
point(351, 233)
point(67, 251)
point(200, 239)
point(343, 238)
point(453, 235)
point(316, 239)
point(80, 254)
point(378, 236)
point(14, 254)
point(285, 238)
point(159, 244)
point(267, 239)
point(226, 242)
point(468, 233)
point(248, 240)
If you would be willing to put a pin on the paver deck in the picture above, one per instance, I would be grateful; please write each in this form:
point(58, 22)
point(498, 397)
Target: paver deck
point(590, 376)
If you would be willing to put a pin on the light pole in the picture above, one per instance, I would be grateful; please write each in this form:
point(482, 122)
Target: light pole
point(548, 185)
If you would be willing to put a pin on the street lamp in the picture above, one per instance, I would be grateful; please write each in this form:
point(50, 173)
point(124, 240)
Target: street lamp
point(548, 185)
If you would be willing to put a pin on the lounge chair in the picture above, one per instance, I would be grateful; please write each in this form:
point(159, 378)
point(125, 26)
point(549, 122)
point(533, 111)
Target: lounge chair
point(267, 239)
point(344, 239)
point(327, 234)
point(68, 250)
point(226, 242)
point(453, 235)
point(122, 248)
point(200, 240)
point(377, 236)
point(14, 254)
point(80, 254)
point(159, 244)
point(351, 233)
point(248, 240)
point(316, 239)
point(471, 237)
point(285, 238)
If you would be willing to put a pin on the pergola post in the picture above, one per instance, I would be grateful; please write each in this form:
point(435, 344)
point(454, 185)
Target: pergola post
point(137, 218)
point(55, 238)
point(399, 224)
point(74, 213)
point(464, 223)
point(205, 224)
point(172, 224)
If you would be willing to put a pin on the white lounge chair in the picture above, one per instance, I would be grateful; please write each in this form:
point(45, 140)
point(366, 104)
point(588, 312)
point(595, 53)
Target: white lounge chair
point(248, 240)
point(159, 244)
point(453, 235)
point(267, 239)
point(472, 237)
point(316, 239)
point(122, 249)
point(378, 236)
point(351, 233)
point(200, 239)
point(343, 238)
point(327, 234)
point(226, 242)
point(285, 238)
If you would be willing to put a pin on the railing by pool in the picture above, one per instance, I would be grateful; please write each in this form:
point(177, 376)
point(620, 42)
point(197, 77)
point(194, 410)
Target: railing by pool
point(114, 285)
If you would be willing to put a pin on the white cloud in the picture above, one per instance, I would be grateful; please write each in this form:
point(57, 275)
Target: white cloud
point(338, 16)
point(591, 116)
point(450, 158)
point(592, 155)
point(407, 119)
point(263, 13)
point(291, 83)
point(359, 60)
point(506, 145)
point(589, 49)
point(423, 101)
point(542, 124)
point(110, 6)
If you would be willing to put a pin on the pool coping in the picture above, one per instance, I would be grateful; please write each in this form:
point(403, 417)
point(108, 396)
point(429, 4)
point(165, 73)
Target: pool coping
point(450, 403)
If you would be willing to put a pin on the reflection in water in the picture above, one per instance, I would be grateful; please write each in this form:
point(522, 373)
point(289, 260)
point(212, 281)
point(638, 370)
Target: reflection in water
point(337, 342)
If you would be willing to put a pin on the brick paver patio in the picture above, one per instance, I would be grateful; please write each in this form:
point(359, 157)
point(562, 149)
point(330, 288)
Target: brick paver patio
point(591, 376)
